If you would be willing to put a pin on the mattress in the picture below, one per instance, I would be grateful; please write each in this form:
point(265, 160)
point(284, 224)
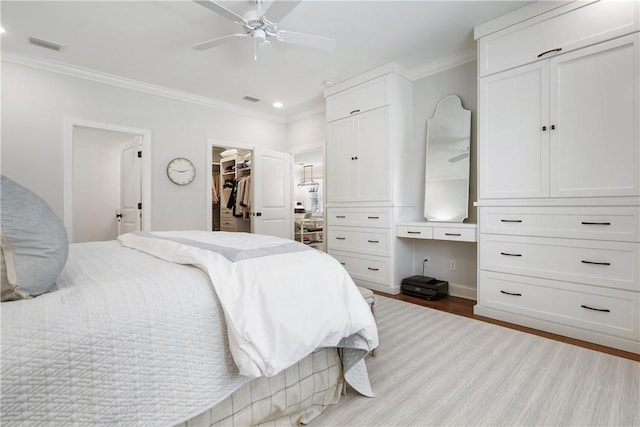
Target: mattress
point(126, 339)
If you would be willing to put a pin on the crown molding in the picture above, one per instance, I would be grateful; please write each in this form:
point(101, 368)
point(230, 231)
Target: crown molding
point(123, 82)
point(321, 108)
point(443, 64)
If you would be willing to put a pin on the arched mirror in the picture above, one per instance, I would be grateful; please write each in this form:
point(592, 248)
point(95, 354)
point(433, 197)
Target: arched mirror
point(447, 165)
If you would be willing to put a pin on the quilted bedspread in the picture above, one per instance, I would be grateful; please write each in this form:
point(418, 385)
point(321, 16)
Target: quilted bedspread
point(127, 339)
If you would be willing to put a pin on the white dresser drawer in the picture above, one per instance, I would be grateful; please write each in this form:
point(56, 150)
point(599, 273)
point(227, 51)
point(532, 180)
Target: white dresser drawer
point(552, 33)
point(608, 264)
point(455, 233)
point(359, 217)
point(607, 311)
point(415, 231)
point(598, 223)
point(359, 99)
point(360, 240)
point(368, 268)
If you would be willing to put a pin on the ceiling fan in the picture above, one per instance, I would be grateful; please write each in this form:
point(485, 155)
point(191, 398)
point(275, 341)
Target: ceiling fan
point(257, 27)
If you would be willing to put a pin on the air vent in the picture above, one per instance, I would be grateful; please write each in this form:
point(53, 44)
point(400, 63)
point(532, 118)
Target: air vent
point(46, 44)
point(251, 99)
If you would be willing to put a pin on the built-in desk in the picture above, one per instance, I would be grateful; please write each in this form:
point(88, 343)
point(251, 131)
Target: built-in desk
point(455, 231)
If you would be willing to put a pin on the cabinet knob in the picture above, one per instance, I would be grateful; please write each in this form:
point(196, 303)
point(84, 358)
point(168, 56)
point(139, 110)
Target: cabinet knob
point(544, 128)
point(553, 127)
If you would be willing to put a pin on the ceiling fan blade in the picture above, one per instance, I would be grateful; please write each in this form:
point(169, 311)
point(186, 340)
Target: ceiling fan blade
point(218, 8)
point(215, 42)
point(307, 40)
point(280, 8)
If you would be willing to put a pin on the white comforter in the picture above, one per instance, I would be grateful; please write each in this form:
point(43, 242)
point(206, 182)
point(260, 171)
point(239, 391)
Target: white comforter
point(130, 339)
point(281, 299)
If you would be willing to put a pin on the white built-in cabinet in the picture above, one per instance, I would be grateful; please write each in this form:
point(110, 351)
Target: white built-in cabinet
point(562, 127)
point(368, 147)
point(559, 170)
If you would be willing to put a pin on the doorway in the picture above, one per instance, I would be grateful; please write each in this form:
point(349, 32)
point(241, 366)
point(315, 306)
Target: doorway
point(267, 197)
point(308, 192)
point(105, 189)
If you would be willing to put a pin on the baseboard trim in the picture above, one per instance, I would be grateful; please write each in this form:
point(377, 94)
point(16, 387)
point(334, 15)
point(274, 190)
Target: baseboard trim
point(463, 291)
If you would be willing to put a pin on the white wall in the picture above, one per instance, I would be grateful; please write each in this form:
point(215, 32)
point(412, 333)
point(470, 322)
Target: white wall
point(427, 92)
point(36, 102)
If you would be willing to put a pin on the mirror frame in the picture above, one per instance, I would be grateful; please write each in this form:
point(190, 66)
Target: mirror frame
point(447, 162)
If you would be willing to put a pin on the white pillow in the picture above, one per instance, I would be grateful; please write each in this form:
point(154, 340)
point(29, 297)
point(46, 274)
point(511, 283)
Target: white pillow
point(34, 243)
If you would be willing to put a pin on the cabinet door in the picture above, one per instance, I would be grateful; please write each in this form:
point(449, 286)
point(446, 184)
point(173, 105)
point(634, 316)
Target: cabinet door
point(594, 107)
point(371, 167)
point(341, 150)
point(513, 145)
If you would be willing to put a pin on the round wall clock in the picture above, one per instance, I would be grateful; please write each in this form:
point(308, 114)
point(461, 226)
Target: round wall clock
point(181, 171)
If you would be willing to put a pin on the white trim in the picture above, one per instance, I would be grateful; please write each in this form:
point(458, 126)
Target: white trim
point(522, 14)
point(114, 80)
point(443, 64)
point(69, 124)
point(463, 291)
point(366, 76)
point(307, 113)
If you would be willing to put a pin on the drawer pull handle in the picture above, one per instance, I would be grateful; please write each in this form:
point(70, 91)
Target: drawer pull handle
point(373, 241)
point(340, 216)
point(511, 293)
point(508, 254)
point(605, 310)
point(595, 223)
point(453, 234)
point(510, 220)
point(595, 262)
point(414, 232)
point(550, 51)
point(373, 217)
point(373, 269)
point(341, 238)
point(354, 111)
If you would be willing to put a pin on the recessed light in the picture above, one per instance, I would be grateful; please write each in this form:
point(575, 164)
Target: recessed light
point(277, 104)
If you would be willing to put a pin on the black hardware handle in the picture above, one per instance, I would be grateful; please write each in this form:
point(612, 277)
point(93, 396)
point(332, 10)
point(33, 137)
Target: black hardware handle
point(355, 158)
point(373, 269)
point(119, 215)
point(373, 241)
point(354, 111)
point(373, 217)
point(510, 293)
point(341, 238)
point(595, 262)
point(605, 310)
point(508, 254)
point(595, 223)
point(414, 232)
point(553, 127)
point(340, 216)
point(550, 51)
point(343, 263)
point(510, 220)
point(452, 234)
point(544, 128)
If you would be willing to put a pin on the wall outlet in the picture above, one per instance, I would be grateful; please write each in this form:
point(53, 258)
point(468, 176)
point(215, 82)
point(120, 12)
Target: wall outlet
point(452, 265)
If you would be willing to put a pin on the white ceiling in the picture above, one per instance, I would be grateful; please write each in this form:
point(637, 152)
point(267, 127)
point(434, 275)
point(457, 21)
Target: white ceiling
point(150, 41)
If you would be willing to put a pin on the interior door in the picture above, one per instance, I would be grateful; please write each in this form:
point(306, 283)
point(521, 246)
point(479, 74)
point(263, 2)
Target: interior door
point(130, 212)
point(272, 212)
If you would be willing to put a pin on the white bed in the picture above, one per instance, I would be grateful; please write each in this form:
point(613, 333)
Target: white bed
point(132, 339)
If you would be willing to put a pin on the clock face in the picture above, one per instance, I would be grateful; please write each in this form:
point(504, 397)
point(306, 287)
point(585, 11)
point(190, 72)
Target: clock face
point(181, 171)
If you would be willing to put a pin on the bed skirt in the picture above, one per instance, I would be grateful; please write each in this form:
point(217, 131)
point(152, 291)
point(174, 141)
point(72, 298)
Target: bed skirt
point(294, 397)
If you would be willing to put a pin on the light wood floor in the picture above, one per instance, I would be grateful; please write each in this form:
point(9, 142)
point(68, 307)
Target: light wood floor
point(464, 307)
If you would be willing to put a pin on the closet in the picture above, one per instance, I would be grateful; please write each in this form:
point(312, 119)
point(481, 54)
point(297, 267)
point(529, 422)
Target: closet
point(368, 166)
point(231, 182)
point(559, 170)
